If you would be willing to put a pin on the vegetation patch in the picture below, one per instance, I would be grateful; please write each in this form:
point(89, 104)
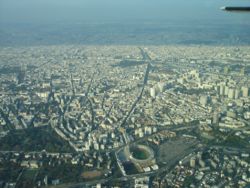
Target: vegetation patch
point(34, 139)
point(130, 168)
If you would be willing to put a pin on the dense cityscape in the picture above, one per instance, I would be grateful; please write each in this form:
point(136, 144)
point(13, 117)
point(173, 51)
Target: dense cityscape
point(125, 116)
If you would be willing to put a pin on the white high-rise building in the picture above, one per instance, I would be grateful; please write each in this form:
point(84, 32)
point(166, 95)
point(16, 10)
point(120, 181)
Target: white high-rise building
point(237, 93)
point(192, 162)
point(245, 91)
point(152, 92)
point(231, 93)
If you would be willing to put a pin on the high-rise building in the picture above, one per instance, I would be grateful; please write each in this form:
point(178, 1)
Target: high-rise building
point(231, 93)
point(192, 162)
point(45, 180)
point(226, 90)
point(222, 89)
point(237, 93)
point(203, 100)
point(245, 91)
point(152, 92)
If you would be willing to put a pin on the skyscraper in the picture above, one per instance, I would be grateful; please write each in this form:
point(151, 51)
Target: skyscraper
point(245, 91)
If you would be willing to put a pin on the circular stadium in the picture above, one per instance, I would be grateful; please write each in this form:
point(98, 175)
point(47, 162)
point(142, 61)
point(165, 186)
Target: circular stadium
point(140, 153)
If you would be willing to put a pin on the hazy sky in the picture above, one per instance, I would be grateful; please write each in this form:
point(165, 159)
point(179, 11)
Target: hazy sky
point(73, 11)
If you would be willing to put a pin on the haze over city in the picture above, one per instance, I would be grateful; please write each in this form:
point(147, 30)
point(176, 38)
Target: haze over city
point(40, 22)
point(115, 93)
